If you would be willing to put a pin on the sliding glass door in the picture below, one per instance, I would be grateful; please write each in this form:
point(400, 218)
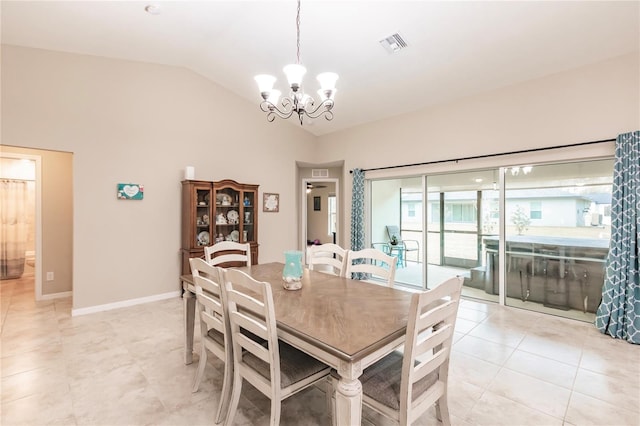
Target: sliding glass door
point(558, 226)
point(556, 222)
point(396, 205)
point(462, 210)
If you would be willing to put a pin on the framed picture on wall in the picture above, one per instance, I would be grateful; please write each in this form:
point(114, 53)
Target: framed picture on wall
point(130, 191)
point(316, 204)
point(270, 202)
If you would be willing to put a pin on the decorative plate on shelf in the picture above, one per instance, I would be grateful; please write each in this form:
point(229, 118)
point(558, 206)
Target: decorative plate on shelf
point(203, 238)
point(235, 236)
point(232, 217)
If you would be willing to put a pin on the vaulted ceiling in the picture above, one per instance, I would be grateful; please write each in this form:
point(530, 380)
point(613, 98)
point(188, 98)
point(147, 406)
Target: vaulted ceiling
point(455, 49)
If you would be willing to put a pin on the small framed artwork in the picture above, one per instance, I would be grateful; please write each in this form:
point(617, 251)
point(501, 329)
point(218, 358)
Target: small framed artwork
point(316, 204)
point(270, 202)
point(130, 191)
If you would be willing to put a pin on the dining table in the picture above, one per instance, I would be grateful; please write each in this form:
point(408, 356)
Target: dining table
point(347, 324)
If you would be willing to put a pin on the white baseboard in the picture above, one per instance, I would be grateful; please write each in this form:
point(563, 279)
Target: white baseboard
point(56, 295)
point(124, 303)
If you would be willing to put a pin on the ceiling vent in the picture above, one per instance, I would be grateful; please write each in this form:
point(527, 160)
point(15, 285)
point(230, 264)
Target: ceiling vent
point(319, 173)
point(394, 43)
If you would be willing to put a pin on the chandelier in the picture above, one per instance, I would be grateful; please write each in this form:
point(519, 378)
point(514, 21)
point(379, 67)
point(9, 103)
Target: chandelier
point(297, 102)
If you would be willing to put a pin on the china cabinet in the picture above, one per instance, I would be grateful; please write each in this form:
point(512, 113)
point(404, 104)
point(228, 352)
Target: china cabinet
point(217, 211)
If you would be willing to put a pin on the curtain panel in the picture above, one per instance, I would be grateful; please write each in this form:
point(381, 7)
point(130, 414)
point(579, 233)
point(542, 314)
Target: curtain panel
point(13, 228)
point(357, 216)
point(619, 312)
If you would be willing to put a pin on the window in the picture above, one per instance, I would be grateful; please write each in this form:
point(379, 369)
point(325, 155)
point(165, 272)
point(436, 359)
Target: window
point(332, 213)
point(535, 209)
point(411, 210)
point(460, 212)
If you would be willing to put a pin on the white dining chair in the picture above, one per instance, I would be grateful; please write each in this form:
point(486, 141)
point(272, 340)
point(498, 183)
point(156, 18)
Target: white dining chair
point(372, 261)
point(215, 335)
point(327, 257)
point(275, 368)
point(228, 253)
point(403, 386)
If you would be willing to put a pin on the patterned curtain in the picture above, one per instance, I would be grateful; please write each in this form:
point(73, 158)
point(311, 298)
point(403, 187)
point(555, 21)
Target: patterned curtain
point(357, 216)
point(619, 312)
point(13, 228)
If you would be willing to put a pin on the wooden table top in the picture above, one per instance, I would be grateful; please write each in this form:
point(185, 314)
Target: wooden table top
point(347, 318)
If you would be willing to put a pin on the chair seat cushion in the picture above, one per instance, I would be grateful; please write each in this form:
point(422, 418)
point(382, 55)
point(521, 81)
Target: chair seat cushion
point(381, 381)
point(295, 365)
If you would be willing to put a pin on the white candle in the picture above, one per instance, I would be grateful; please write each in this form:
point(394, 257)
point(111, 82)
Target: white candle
point(189, 173)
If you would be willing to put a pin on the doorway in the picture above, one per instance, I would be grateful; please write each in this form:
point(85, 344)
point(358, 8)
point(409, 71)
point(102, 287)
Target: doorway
point(25, 170)
point(320, 211)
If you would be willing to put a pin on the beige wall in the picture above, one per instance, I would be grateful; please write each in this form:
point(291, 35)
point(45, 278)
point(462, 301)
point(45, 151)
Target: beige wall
point(143, 123)
point(591, 103)
point(57, 217)
point(128, 122)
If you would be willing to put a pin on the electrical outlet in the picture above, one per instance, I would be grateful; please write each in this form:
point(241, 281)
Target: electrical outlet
point(49, 276)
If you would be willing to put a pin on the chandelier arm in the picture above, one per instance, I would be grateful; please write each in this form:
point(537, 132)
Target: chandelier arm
point(324, 108)
point(273, 111)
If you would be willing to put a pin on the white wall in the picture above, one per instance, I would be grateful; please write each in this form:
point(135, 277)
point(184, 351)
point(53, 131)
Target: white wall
point(591, 103)
point(129, 122)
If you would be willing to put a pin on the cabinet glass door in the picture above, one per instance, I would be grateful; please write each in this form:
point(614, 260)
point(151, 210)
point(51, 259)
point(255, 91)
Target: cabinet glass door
point(202, 222)
point(228, 210)
point(248, 204)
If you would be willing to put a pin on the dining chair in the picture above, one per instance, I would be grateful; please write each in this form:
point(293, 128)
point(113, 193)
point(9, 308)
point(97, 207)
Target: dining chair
point(405, 246)
point(403, 386)
point(228, 253)
point(372, 261)
point(275, 368)
point(215, 332)
point(327, 257)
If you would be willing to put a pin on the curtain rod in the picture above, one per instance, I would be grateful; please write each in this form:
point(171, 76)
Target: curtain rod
point(475, 157)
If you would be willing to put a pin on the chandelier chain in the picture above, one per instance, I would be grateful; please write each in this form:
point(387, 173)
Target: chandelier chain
point(298, 34)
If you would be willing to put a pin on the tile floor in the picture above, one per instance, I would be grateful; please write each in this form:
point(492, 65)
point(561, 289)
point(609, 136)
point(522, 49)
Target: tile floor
point(125, 367)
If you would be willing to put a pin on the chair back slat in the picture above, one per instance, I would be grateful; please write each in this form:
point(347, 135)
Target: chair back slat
point(249, 323)
point(372, 261)
point(426, 367)
point(227, 253)
point(328, 254)
point(435, 339)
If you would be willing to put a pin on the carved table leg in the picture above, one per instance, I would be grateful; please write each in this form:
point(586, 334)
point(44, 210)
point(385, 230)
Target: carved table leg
point(189, 302)
point(349, 395)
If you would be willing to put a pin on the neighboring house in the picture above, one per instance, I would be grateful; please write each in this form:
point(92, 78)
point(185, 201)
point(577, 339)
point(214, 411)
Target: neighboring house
point(544, 207)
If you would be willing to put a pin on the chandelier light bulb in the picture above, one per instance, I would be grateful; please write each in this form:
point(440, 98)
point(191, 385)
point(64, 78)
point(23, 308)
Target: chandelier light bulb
point(327, 80)
point(294, 73)
point(327, 94)
point(274, 96)
point(265, 82)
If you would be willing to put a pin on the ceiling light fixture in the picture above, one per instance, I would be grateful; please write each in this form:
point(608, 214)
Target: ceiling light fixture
point(152, 9)
point(297, 102)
